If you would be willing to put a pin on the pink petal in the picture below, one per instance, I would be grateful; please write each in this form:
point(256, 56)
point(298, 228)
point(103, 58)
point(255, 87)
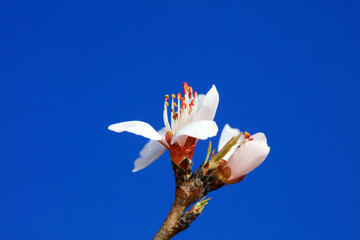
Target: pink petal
point(151, 151)
point(259, 137)
point(200, 130)
point(208, 106)
point(226, 134)
point(200, 100)
point(248, 157)
point(136, 127)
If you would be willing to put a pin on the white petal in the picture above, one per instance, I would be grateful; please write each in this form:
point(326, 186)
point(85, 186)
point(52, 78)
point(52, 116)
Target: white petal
point(200, 130)
point(259, 137)
point(248, 157)
point(151, 151)
point(208, 106)
point(200, 101)
point(226, 134)
point(136, 127)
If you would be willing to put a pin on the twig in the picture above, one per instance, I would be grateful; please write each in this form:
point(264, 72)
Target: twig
point(188, 191)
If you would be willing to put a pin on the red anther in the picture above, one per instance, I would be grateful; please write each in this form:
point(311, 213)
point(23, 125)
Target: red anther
point(190, 92)
point(183, 99)
point(247, 135)
point(175, 116)
point(166, 97)
point(183, 105)
point(192, 103)
point(178, 96)
point(185, 86)
point(251, 139)
point(195, 94)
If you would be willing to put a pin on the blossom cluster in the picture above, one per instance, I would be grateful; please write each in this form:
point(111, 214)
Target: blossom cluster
point(192, 118)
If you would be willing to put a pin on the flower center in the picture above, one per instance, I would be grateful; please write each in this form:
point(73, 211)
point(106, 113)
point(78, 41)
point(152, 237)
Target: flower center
point(183, 108)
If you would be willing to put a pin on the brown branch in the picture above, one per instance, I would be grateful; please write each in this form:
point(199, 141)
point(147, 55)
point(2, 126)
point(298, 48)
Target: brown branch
point(190, 216)
point(188, 191)
point(184, 197)
point(210, 176)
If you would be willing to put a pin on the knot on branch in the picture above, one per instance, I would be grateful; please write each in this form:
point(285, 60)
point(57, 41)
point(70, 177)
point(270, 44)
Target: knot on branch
point(189, 189)
point(208, 177)
point(182, 171)
point(186, 220)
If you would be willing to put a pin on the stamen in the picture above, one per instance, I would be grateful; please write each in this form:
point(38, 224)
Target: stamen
point(178, 97)
point(196, 99)
point(247, 135)
point(186, 107)
point(165, 116)
point(183, 105)
point(185, 86)
point(172, 112)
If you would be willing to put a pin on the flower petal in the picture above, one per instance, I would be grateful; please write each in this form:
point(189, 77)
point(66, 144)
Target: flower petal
point(136, 127)
point(200, 101)
point(200, 130)
point(226, 134)
point(248, 157)
point(208, 106)
point(259, 137)
point(151, 151)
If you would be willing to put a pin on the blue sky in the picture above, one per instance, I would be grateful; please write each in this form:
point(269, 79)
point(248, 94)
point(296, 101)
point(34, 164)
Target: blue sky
point(69, 69)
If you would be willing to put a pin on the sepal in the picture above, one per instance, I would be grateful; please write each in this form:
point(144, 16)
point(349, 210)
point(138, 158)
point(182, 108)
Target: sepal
point(215, 160)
